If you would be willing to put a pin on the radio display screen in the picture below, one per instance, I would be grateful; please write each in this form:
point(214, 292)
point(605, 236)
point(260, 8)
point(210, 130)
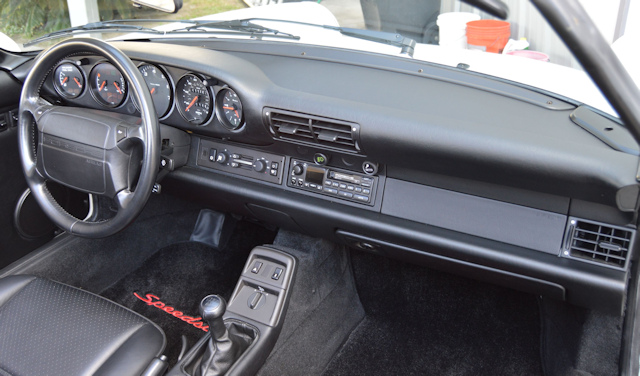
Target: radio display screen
point(314, 175)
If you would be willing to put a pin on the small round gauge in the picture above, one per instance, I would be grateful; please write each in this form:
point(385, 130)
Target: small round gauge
point(108, 85)
point(68, 80)
point(159, 87)
point(194, 100)
point(229, 108)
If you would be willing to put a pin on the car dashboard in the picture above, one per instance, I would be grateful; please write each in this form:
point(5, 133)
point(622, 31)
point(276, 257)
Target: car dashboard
point(431, 164)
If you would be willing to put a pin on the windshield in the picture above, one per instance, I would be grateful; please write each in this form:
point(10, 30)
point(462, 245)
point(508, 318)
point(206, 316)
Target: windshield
point(523, 48)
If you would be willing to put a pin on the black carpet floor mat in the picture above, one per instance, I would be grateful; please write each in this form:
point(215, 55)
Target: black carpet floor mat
point(423, 322)
point(168, 286)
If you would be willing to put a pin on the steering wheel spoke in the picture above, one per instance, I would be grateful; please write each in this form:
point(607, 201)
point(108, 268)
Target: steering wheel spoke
point(123, 199)
point(36, 106)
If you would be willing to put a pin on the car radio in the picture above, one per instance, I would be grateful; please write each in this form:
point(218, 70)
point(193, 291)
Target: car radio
point(333, 182)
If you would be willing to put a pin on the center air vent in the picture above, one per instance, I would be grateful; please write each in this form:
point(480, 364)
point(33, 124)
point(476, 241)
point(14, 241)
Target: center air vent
point(599, 243)
point(309, 129)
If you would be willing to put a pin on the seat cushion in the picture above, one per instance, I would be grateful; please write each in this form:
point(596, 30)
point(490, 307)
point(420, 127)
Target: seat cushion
point(48, 328)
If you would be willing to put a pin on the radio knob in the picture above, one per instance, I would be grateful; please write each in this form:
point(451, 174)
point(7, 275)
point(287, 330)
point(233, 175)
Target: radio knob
point(297, 170)
point(222, 157)
point(259, 165)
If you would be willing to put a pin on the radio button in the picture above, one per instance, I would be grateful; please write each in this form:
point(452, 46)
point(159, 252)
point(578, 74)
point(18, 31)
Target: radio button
point(350, 187)
point(343, 186)
point(327, 183)
point(310, 185)
point(300, 182)
point(334, 184)
point(294, 181)
point(361, 198)
point(331, 190)
point(347, 194)
point(358, 189)
point(366, 191)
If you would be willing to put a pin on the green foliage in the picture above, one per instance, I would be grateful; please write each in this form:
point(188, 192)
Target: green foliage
point(32, 17)
point(26, 19)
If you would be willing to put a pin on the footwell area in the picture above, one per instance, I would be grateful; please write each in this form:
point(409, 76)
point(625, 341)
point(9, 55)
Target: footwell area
point(168, 286)
point(422, 322)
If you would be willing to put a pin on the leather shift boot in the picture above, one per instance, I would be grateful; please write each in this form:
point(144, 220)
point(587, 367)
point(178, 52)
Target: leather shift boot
point(220, 355)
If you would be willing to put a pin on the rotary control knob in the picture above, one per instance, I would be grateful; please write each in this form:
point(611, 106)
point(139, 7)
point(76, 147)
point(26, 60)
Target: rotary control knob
point(297, 170)
point(259, 165)
point(222, 157)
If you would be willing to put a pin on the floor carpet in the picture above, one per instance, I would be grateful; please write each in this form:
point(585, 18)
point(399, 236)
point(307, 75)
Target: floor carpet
point(422, 322)
point(178, 276)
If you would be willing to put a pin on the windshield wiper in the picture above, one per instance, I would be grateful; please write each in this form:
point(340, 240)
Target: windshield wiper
point(236, 25)
point(407, 45)
point(242, 27)
point(112, 26)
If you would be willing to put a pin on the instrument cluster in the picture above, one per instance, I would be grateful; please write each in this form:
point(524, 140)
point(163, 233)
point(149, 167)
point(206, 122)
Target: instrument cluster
point(183, 97)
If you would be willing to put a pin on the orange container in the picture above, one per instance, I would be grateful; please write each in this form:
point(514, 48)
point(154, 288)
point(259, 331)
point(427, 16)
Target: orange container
point(488, 35)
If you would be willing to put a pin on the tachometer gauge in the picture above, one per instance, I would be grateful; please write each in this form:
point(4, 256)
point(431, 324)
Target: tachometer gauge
point(229, 108)
point(108, 85)
point(159, 87)
point(194, 100)
point(68, 80)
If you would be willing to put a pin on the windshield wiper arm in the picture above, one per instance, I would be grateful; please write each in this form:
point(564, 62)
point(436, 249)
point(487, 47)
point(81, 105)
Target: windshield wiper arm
point(407, 45)
point(95, 27)
point(235, 25)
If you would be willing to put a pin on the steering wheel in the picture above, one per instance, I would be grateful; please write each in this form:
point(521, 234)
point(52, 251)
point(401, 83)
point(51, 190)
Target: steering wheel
point(96, 152)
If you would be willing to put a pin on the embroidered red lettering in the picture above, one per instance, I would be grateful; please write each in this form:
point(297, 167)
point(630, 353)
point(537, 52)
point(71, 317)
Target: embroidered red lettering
point(154, 301)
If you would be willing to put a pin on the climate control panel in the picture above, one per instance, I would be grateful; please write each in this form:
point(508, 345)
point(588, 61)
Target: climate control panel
point(333, 182)
point(241, 161)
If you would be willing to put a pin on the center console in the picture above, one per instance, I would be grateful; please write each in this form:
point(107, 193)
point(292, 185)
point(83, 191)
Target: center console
point(254, 315)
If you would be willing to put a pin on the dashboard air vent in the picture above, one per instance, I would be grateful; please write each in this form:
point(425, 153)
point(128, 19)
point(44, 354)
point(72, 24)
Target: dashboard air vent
point(600, 243)
point(309, 129)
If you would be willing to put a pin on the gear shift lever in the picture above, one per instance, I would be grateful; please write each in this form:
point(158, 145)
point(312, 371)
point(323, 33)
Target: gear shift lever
point(212, 307)
point(222, 348)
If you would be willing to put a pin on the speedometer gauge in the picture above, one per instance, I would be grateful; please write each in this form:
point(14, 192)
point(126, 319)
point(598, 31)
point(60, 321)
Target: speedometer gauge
point(108, 85)
point(159, 87)
point(229, 108)
point(68, 80)
point(194, 99)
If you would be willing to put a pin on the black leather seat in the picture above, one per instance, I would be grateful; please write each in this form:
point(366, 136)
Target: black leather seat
point(47, 328)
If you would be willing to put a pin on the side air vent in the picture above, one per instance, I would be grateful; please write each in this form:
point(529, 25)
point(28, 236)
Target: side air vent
point(598, 243)
point(309, 129)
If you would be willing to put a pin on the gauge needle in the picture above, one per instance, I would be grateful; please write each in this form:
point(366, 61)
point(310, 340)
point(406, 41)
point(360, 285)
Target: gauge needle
point(193, 101)
point(237, 115)
point(77, 82)
point(102, 86)
point(117, 87)
point(65, 80)
point(152, 90)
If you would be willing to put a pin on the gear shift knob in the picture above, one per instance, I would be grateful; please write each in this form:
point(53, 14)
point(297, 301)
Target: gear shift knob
point(212, 308)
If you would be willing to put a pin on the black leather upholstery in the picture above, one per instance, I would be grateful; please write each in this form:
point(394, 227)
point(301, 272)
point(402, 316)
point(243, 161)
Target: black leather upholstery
point(47, 328)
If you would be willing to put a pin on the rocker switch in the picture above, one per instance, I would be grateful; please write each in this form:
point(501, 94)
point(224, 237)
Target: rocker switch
point(256, 267)
point(276, 275)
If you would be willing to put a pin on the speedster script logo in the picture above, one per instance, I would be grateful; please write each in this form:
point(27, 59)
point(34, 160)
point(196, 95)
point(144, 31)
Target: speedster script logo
point(154, 301)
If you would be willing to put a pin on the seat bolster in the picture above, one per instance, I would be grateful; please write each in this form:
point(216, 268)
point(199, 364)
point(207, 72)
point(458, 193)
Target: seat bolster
point(10, 286)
